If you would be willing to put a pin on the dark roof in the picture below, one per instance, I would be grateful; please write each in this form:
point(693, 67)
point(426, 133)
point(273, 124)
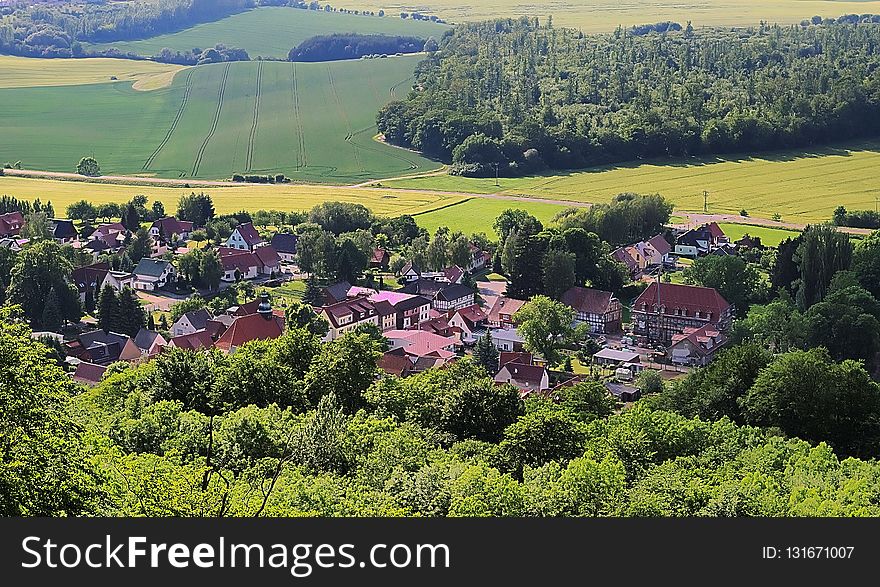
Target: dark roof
point(151, 267)
point(523, 358)
point(688, 298)
point(472, 314)
point(249, 234)
point(62, 228)
point(358, 308)
point(412, 303)
point(453, 274)
point(454, 291)
point(198, 318)
point(89, 277)
point(395, 363)
point(145, 339)
point(242, 262)
point(11, 223)
point(379, 256)
point(660, 244)
point(171, 225)
point(530, 374)
point(587, 301)
point(97, 245)
point(410, 266)
point(422, 287)
point(267, 256)
point(336, 292)
point(284, 242)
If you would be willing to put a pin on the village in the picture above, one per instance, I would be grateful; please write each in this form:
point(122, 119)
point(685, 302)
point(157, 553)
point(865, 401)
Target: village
point(427, 318)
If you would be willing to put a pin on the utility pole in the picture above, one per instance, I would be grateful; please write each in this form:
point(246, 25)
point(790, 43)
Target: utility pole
point(705, 200)
point(496, 175)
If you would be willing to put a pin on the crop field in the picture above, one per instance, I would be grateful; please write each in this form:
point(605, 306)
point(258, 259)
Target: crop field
point(274, 31)
point(606, 15)
point(229, 199)
point(770, 237)
point(314, 122)
point(478, 214)
point(800, 186)
point(25, 72)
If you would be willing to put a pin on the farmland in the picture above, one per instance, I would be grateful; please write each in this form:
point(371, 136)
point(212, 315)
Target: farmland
point(800, 186)
point(26, 72)
point(312, 122)
point(477, 214)
point(229, 199)
point(273, 31)
point(606, 15)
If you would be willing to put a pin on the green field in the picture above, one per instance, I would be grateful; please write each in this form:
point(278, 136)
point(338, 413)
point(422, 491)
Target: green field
point(801, 186)
point(24, 72)
point(311, 121)
point(273, 31)
point(770, 237)
point(606, 15)
point(477, 215)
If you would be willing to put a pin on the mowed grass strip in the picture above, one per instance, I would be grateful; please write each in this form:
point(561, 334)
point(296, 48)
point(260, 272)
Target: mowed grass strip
point(274, 31)
point(228, 199)
point(607, 15)
point(27, 72)
point(800, 186)
point(210, 124)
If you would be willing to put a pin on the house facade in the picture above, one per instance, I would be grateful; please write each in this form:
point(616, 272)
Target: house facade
point(153, 274)
point(347, 315)
point(598, 309)
point(664, 310)
point(245, 238)
point(696, 347)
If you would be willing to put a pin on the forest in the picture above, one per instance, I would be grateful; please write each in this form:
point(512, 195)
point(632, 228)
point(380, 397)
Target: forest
point(295, 427)
point(353, 46)
point(514, 96)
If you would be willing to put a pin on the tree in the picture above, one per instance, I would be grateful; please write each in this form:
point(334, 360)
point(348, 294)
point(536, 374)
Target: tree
point(7, 262)
point(39, 269)
point(46, 466)
point(108, 309)
point(738, 282)
point(486, 355)
point(36, 227)
point(546, 325)
point(524, 269)
point(196, 208)
point(785, 270)
point(543, 435)
point(140, 245)
point(823, 252)
point(82, 210)
point(298, 315)
point(650, 381)
point(51, 319)
point(211, 270)
point(131, 220)
point(866, 263)
point(847, 323)
point(313, 294)
point(559, 272)
point(431, 44)
point(89, 167)
point(808, 395)
point(345, 367)
point(132, 316)
point(518, 220)
point(158, 210)
point(350, 262)
point(190, 304)
point(341, 217)
point(586, 401)
point(438, 252)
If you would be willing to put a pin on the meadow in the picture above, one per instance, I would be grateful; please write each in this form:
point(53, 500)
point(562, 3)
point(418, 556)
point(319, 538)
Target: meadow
point(273, 31)
point(477, 215)
point(606, 15)
point(27, 72)
point(314, 122)
point(800, 186)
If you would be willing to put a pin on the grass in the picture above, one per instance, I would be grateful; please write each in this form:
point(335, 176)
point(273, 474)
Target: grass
point(606, 15)
point(286, 292)
point(770, 237)
point(25, 72)
point(477, 215)
point(273, 31)
point(312, 122)
point(801, 186)
point(229, 199)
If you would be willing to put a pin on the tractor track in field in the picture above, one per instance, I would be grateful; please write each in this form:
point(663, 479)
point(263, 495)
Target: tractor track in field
point(392, 89)
point(344, 116)
point(186, 94)
point(198, 162)
point(302, 161)
point(249, 162)
point(378, 149)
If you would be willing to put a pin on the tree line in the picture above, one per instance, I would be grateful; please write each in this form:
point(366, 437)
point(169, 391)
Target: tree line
point(515, 97)
point(353, 46)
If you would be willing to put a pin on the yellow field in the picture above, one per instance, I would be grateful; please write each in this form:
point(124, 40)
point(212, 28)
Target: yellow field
point(25, 72)
point(801, 187)
point(226, 199)
point(606, 15)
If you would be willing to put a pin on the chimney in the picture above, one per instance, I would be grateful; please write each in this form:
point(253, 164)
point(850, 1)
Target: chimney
point(265, 308)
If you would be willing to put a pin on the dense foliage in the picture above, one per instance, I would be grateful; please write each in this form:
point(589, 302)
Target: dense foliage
point(523, 97)
point(353, 46)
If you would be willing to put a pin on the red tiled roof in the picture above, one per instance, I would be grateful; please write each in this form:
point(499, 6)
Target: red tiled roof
point(523, 358)
point(243, 261)
point(91, 276)
point(89, 373)
point(586, 300)
point(359, 308)
point(715, 230)
point(525, 374)
point(706, 339)
point(624, 255)
point(267, 256)
point(249, 234)
point(11, 223)
point(504, 305)
point(379, 256)
point(247, 328)
point(395, 363)
point(454, 273)
point(171, 225)
point(472, 314)
point(194, 341)
point(688, 298)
